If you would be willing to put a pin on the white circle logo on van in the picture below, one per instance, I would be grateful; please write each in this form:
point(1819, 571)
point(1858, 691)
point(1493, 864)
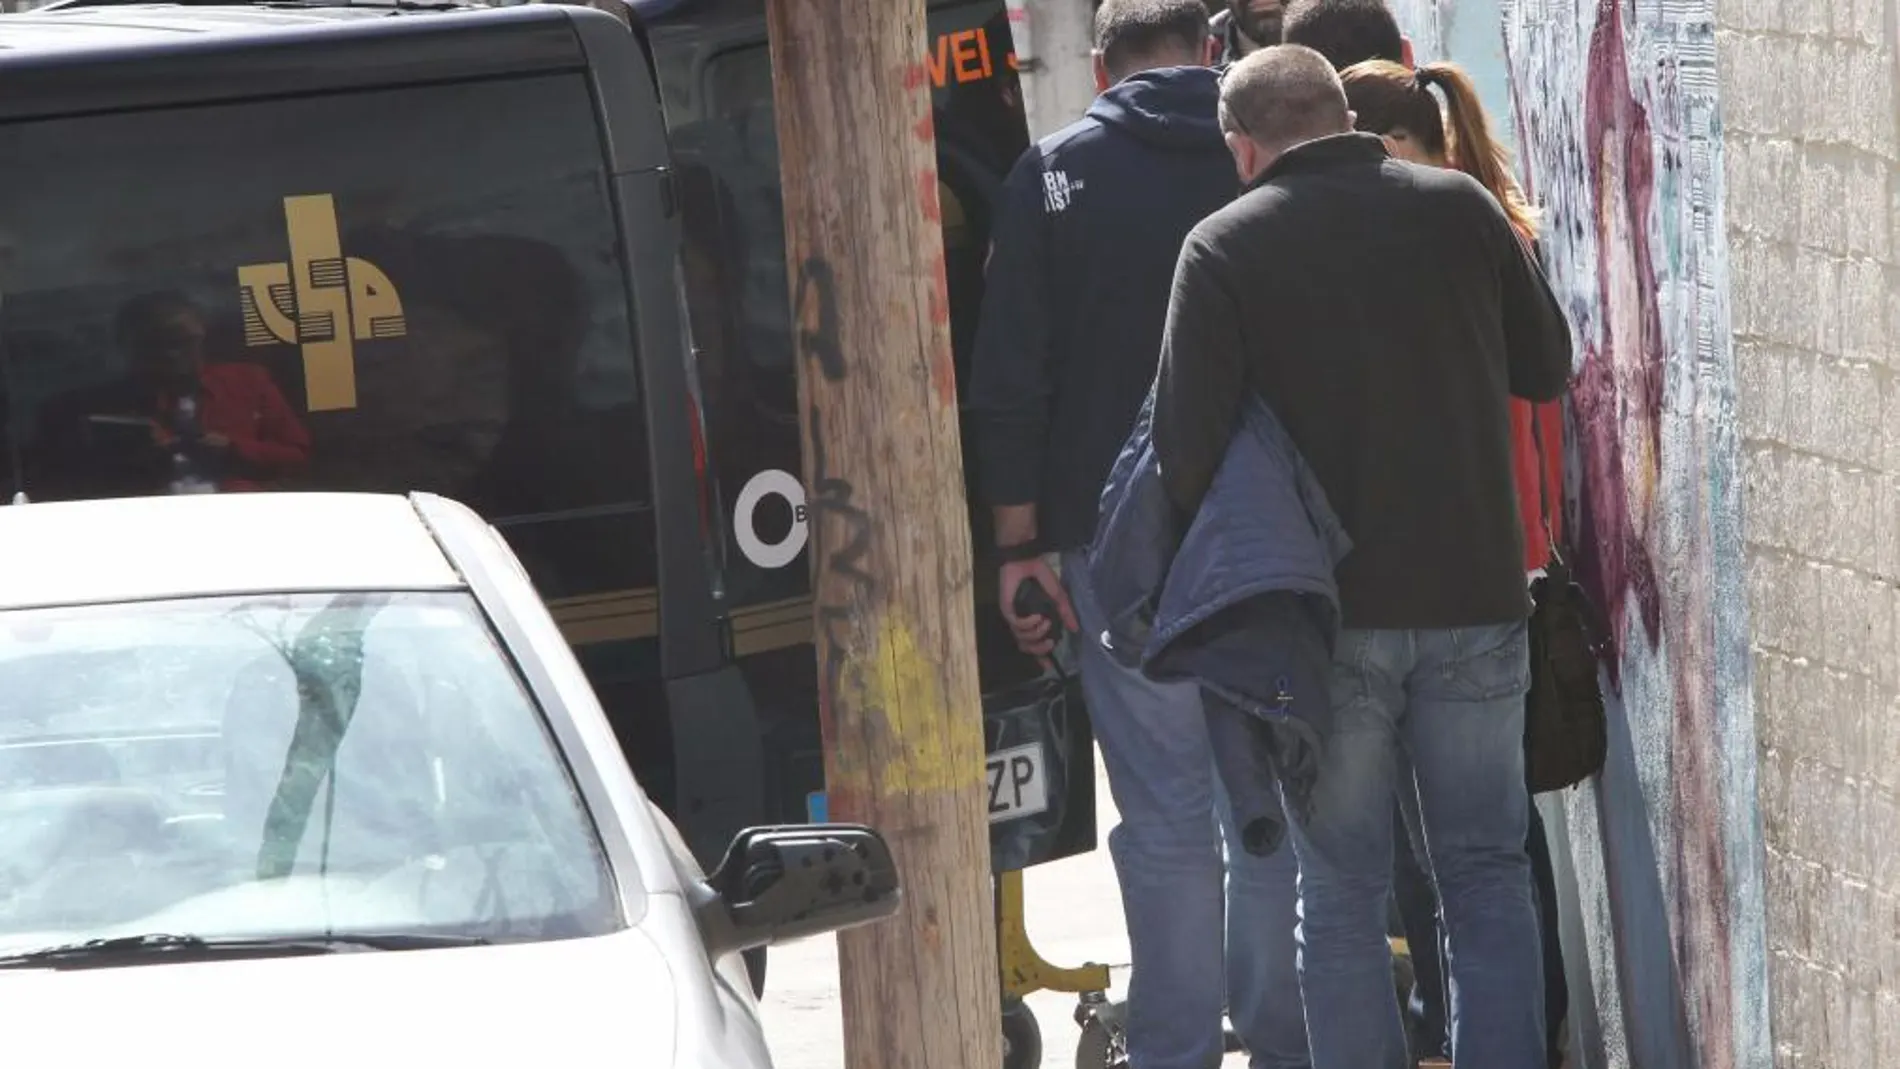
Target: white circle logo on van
point(769, 483)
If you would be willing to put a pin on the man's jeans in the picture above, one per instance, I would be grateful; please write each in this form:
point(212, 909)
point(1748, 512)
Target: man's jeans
point(1167, 852)
point(1454, 700)
point(1418, 905)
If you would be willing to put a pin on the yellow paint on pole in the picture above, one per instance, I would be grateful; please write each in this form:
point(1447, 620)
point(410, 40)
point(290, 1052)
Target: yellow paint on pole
point(902, 697)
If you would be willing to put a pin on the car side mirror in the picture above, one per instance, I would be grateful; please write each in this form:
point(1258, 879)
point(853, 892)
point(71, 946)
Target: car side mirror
point(777, 884)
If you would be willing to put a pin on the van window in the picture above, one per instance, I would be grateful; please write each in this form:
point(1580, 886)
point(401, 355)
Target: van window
point(980, 133)
point(410, 289)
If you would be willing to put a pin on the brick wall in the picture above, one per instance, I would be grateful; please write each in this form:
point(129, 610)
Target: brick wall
point(1809, 91)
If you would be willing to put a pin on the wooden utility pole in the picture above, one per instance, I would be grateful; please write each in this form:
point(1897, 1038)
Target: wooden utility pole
point(894, 621)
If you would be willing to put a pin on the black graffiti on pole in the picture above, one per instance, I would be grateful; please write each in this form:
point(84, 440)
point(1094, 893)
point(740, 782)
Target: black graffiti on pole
point(817, 282)
point(831, 495)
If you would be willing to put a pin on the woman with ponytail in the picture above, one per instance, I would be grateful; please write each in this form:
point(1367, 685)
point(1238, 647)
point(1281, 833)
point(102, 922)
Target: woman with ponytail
point(1397, 103)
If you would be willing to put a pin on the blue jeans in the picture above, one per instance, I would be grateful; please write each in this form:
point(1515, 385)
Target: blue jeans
point(1182, 936)
point(1454, 701)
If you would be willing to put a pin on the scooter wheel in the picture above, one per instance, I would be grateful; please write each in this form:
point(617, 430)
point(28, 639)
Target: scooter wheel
point(1022, 1037)
point(1100, 1048)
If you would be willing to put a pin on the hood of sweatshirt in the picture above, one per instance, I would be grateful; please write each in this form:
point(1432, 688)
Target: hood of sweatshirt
point(1172, 106)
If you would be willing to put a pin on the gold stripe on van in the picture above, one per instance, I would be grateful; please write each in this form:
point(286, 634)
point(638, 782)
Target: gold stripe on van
point(771, 625)
point(626, 615)
point(615, 616)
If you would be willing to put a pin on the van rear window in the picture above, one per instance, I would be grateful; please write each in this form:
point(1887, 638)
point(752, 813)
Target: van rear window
point(410, 289)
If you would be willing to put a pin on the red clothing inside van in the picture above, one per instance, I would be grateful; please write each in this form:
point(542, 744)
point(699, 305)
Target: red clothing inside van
point(241, 403)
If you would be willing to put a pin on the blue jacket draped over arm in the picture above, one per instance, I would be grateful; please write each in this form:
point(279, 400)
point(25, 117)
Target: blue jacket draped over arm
point(1239, 598)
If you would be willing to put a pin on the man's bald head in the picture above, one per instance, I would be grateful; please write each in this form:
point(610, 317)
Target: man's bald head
point(1277, 98)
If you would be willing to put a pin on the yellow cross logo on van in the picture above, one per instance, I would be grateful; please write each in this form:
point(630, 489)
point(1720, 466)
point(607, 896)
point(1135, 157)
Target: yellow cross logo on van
point(321, 300)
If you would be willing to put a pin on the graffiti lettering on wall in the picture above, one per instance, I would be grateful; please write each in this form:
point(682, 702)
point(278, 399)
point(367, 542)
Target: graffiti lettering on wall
point(1616, 120)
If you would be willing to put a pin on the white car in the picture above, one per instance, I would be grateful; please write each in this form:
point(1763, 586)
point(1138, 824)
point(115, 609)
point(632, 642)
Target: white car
point(314, 780)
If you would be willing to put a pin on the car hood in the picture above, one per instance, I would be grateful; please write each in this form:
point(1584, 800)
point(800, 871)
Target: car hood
point(570, 1002)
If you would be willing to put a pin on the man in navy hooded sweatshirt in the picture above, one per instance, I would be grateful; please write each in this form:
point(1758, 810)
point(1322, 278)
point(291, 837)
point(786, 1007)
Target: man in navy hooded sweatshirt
point(1091, 224)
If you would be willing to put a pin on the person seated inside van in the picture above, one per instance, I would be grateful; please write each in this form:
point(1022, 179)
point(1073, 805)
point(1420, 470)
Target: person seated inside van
point(175, 421)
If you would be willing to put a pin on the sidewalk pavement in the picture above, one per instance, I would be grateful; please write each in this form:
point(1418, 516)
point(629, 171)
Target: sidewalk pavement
point(1074, 917)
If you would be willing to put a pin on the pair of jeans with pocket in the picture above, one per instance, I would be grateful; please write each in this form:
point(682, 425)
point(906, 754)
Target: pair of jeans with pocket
point(1450, 703)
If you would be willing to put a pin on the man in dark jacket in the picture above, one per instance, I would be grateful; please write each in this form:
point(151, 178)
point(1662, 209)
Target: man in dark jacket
point(1245, 26)
point(1346, 31)
point(1386, 313)
point(1088, 234)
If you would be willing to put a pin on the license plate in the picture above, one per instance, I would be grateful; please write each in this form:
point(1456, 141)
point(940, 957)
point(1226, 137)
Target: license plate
point(1018, 785)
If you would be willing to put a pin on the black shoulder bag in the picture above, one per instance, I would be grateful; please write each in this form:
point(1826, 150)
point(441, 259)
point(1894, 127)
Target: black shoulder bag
point(1566, 737)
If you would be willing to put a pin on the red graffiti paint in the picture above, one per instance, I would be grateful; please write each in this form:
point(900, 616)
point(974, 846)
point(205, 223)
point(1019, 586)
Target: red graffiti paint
point(943, 376)
point(916, 76)
point(926, 129)
point(1619, 405)
point(932, 932)
point(927, 195)
point(1618, 396)
point(939, 309)
point(943, 370)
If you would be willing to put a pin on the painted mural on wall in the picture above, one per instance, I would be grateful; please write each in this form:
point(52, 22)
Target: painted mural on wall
point(1611, 107)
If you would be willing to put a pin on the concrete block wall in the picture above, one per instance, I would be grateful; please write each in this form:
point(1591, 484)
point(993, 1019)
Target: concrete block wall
point(1813, 157)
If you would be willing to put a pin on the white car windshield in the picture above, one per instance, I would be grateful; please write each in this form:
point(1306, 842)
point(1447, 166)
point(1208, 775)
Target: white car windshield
point(283, 767)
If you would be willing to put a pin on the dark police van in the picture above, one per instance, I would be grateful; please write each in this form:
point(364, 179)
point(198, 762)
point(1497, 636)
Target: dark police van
point(521, 257)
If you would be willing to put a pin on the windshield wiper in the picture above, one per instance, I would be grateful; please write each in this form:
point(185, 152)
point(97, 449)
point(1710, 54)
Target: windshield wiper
point(163, 946)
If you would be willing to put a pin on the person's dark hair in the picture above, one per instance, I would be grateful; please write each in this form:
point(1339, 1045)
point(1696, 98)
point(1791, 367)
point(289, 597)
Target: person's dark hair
point(1387, 96)
point(1344, 31)
point(1131, 33)
point(1282, 95)
point(138, 314)
point(1261, 28)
